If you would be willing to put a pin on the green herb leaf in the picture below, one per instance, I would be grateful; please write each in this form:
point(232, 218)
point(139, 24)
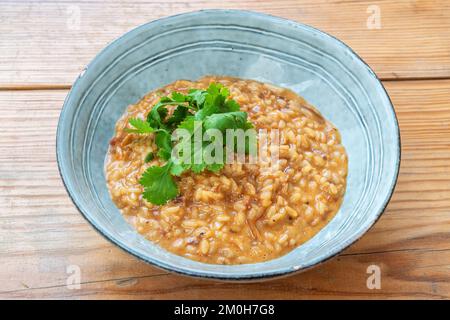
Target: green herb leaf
point(231, 105)
point(158, 113)
point(164, 143)
point(178, 169)
point(215, 167)
point(223, 121)
point(187, 124)
point(212, 108)
point(197, 97)
point(149, 157)
point(159, 186)
point(179, 97)
point(140, 126)
point(179, 114)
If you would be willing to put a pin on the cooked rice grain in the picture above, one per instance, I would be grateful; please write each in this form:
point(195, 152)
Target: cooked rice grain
point(247, 213)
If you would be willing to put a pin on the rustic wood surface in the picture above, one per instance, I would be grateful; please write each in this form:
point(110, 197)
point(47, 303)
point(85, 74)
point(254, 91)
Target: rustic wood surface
point(42, 234)
point(51, 41)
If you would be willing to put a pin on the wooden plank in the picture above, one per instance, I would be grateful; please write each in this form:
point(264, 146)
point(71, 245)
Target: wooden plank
point(420, 205)
point(51, 42)
point(404, 275)
point(42, 234)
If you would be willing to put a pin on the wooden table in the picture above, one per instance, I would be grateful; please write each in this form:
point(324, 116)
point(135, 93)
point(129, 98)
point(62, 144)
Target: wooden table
point(44, 45)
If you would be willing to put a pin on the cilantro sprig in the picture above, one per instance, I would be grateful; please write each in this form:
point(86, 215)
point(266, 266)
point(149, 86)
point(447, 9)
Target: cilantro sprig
point(212, 108)
point(139, 126)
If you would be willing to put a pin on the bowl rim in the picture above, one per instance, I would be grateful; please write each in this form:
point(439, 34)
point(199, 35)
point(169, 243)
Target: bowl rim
point(198, 273)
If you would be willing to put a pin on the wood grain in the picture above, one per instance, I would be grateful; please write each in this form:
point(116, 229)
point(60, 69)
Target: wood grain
point(41, 233)
point(42, 42)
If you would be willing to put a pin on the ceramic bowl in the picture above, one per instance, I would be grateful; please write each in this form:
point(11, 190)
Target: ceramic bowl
point(320, 68)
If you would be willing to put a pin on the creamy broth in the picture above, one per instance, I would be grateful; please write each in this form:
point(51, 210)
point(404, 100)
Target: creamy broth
point(246, 213)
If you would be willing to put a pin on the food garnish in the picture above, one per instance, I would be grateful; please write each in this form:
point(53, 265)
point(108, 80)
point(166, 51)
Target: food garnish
point(198, 110)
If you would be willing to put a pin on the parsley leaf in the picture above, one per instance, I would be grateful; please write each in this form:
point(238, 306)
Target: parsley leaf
point(164, 143)
point(178, 169)
point(157, 115)
point(197, 97)
point(198, 110)
point(180, 113)
point(179, 97)
point(140, 126)
point(159, 186)
point(149, 157)
point(228, 120)
point(215, 167)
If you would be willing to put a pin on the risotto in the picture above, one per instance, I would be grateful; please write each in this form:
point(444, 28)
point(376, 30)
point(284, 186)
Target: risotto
point(244, 213)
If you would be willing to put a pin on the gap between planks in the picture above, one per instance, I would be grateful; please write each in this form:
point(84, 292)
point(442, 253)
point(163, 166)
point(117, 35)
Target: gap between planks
point(66, 86)
point(31, 87)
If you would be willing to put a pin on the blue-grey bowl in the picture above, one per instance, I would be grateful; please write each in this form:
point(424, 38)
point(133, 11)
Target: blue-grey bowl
point(248, 45)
